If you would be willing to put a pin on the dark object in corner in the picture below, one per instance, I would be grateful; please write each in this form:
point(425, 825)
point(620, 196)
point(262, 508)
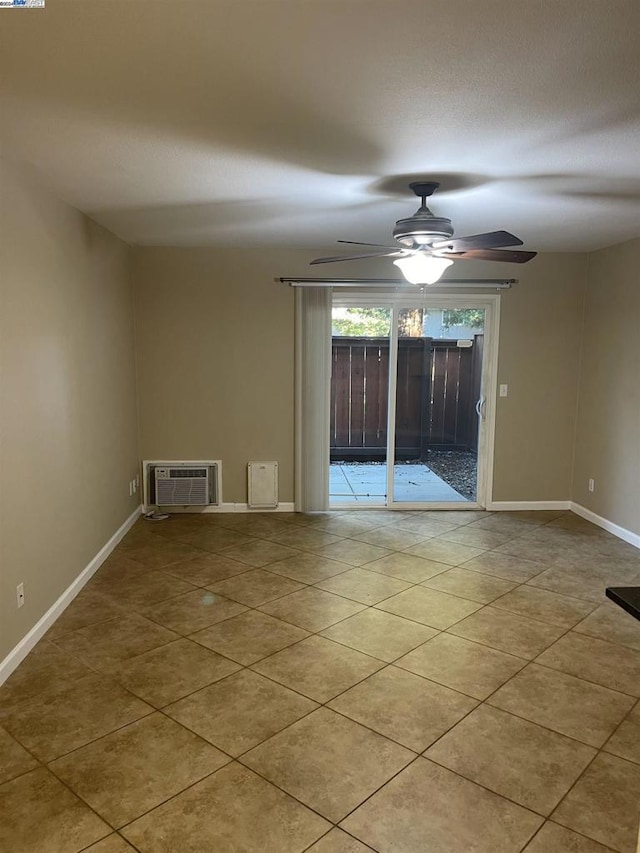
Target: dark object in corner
point(627, 597)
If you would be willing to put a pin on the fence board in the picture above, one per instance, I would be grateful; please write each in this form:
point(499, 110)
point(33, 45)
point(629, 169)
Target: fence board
point(357, 400)
point(438, 395)
point(341, 395)
point(451, 395)
point(410, 401)
point(376, 386)
point(438, 385)
point(465, 392)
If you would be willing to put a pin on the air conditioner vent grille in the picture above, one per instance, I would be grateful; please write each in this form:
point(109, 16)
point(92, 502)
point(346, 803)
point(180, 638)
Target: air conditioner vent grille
point(182, 484)
point(181, 492)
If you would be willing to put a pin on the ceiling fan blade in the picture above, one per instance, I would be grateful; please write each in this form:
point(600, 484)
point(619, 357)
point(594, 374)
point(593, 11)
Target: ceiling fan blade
point(354, 257)
point(490, 240)
point(507, 255)
point(378, 245)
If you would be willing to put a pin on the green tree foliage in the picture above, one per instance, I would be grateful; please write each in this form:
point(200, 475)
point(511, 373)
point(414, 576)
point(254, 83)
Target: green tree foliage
point(473, 318)
point(363, 323)
point(376, 322)
point(410, 321)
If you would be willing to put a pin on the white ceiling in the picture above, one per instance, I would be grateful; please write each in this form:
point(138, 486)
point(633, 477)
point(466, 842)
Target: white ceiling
point(295, 122)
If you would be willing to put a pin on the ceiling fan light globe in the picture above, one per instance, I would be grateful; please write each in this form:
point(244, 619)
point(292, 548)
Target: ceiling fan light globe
point(421, 268)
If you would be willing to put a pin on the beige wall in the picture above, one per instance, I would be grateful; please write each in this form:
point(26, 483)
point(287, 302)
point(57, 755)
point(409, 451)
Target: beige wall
point(216, 359)
point(67, 418)
point(607, 446)
point(215, 340)
point(540, 333)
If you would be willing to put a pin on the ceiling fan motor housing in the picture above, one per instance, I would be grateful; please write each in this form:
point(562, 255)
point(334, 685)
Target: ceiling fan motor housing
point(422, 229)
point(427, 240)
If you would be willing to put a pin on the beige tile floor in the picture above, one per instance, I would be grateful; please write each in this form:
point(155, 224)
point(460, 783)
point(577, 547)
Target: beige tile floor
point(410, 682)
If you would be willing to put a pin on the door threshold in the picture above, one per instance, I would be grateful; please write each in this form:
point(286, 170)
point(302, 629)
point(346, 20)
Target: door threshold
point(416, 507)
point(448, 505)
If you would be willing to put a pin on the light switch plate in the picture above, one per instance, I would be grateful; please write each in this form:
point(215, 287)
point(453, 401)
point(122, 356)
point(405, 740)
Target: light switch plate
point(504, 390)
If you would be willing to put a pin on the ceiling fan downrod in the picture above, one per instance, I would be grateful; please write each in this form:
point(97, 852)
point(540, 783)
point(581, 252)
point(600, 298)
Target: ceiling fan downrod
point(424, 189)
point(423, 227)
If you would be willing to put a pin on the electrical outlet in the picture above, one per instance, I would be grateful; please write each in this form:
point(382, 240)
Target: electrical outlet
point(134, 483)
point(20, 594)
point(592, 485)
point(130, 487)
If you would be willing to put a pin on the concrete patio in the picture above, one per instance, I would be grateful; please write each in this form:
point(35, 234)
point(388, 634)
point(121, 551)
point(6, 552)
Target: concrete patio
point(366, 483)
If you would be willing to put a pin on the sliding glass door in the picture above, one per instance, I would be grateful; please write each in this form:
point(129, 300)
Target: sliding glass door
point(438, 393)
point(411, 413)
point(359, 406)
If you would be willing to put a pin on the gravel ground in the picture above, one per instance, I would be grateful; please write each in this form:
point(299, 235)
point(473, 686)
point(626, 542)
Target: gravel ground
point(458, 468)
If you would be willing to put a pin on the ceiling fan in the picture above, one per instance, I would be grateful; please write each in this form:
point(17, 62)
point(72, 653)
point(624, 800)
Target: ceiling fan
point(427, 245)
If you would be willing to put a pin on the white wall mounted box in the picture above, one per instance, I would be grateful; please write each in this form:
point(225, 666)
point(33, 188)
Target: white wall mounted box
point(262, 485)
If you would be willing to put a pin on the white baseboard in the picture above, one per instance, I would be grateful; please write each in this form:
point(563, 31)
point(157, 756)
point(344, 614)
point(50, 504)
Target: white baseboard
point(282, 507)
point(19, 652)
point(609, 526)
point(514, 506)
point(239, 507)
point(228, 507)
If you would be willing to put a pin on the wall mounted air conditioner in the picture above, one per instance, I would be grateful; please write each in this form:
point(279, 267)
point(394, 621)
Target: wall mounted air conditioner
point(183, 483)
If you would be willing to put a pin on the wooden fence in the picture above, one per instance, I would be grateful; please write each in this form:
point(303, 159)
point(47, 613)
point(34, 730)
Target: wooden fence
point(437, 390)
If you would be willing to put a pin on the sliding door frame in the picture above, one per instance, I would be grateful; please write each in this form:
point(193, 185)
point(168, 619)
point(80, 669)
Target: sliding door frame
point(486, 433)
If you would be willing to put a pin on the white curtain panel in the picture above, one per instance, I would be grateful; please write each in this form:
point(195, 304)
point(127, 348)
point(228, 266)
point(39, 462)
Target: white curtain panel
point(313, 390)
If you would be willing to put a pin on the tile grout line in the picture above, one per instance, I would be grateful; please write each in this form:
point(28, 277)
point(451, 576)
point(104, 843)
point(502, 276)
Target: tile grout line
point(413, 585)
point(316, 633)
point(548, 820)
point(421, 753)
point(385, 664)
